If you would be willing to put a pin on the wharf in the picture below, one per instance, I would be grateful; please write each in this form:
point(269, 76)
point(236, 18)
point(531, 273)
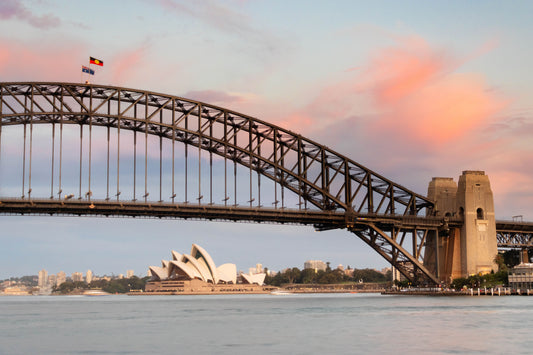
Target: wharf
point(468, 292)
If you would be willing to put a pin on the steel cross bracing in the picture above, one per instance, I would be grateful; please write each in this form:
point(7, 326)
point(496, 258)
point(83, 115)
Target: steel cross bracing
point(513, 234)
point(321, 178)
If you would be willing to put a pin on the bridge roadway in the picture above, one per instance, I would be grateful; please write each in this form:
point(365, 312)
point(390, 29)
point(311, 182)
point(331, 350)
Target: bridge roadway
point(321, 219)
point(510, 234)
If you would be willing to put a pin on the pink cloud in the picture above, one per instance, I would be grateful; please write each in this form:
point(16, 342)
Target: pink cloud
point(40, 61)
point(214, 97)
point(15, 9)
point(126, 64)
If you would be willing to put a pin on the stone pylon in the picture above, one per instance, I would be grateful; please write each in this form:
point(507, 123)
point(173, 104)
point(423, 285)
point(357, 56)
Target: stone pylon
point(471, 249)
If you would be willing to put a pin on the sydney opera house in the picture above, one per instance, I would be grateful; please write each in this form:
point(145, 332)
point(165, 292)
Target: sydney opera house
point(196, 273)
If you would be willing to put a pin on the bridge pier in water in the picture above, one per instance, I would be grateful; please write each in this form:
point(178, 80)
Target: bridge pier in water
point(470, 249)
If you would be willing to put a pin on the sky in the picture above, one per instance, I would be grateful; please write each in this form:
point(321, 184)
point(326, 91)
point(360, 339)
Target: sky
point(410, 89)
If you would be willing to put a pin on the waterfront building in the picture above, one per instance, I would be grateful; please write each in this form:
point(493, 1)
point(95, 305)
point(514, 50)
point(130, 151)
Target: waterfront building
point(521, 277)
point(61, 277)
point(129, 274)
point(17, 291)
point(197, 273)
point(43, 278)
point(89, 276)
point(317, 265)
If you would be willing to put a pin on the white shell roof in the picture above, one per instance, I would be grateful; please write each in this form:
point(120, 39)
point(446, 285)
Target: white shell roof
point(200, 254)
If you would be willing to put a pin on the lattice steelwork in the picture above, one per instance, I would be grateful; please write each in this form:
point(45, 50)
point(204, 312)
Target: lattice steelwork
point(335, 190)
point(513, 235)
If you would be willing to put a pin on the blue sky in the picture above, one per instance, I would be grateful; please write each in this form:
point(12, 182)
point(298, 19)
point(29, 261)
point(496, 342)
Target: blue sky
point(410, 89)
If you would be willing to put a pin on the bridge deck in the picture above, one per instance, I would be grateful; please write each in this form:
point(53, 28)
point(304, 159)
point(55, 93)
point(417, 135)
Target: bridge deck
point(326, 219)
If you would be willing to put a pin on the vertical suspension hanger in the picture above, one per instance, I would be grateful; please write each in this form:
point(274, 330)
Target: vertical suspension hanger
point(60, 190)
point(53, 152)
point(81, 157)
point(118, 149)
point(31, 144)
point(161, 156)
point(211, 162)
point(89, 192)
point(250, 159)
point(186, 153)
point(200, 112)
point(146, 149)
point(173, 147)
point(24, 163)
point(135, 152)
point(235, 166)
point(226, 158)
point(107, 167)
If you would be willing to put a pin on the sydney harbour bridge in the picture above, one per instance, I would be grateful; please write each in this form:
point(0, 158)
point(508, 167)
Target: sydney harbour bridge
point(85, 149)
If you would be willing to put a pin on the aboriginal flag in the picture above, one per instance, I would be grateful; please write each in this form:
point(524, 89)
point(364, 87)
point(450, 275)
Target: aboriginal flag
point(96, 61)
point(87, 70)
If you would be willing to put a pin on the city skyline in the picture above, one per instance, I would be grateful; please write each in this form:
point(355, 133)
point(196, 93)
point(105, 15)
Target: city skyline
point(411, 90)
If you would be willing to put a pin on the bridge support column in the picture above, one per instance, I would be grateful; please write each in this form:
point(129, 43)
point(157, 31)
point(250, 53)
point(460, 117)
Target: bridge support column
point(470, 249)
point(479, 245)
point(444, 246)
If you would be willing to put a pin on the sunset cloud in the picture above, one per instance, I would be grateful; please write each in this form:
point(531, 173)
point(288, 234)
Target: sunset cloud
point(214, 97)
point(40, 61)
point(417, 93)
point(126, 64)
point(14, 9)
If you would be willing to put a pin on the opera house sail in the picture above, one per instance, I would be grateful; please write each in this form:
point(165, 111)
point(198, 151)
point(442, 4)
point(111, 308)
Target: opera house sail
point(196, 273)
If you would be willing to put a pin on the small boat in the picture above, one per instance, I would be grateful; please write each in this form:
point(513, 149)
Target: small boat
point(281, 293)
point(95, 293)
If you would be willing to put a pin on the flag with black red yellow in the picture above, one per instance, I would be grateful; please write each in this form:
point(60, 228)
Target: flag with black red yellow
point(93, 60)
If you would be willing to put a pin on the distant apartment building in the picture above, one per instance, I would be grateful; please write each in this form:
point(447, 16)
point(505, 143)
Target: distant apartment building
point(76, 276)
point(61, 277)
point(52, 280)
point(89, 276)
point(257, 269)
point(129, 273)
point(317, 265)
point(43, 278)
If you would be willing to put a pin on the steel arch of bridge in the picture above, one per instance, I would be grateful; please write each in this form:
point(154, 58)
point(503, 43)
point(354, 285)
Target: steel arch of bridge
point(353, 196)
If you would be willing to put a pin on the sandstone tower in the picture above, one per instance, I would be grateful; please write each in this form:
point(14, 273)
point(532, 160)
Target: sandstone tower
point(471, 249)
point(478, 234)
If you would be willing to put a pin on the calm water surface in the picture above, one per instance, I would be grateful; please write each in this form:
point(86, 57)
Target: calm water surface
point(245, 324)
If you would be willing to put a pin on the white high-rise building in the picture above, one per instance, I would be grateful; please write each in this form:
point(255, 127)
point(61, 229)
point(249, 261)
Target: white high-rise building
point(89, 276)
point(43, 278)
point(129, 273)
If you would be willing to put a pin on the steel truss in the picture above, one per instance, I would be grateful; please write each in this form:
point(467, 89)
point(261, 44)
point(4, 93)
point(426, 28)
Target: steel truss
point(321, 178)
point(514, 235)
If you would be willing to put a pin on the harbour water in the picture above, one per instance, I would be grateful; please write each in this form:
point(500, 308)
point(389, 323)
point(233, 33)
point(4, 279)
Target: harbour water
point(260, 324)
